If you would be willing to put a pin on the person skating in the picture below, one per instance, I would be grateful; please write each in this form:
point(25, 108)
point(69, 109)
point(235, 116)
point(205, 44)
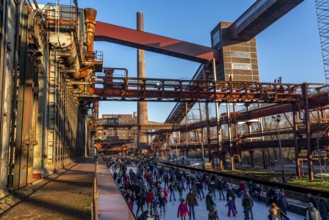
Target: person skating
point(180, 189)
point(209, 201)
point(312, 213)
point(312, 200)
point(230, 206)
point(192, 201)
point(247, 204)
point(155, 204)
point(165, 193)
point(149, 200)
point(140, 203)
point(283, 204)
point(280, 214)
point(172, 187)
point(230, 193)
point(273, 214)
point(324, 209)
point(162, 203)
point(182, 210)
point(213, 214)
point(212, 188)
point(220, 188)
point(199, 189)
point(166, 179)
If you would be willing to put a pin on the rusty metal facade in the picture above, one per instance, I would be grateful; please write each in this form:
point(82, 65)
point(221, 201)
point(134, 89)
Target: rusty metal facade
point(51, 46)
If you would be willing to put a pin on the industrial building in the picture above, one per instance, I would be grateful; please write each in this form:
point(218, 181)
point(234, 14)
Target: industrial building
point(52, 81)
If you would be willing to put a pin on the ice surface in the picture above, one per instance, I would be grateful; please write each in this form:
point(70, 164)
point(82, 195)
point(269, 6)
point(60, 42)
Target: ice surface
point(260, 210)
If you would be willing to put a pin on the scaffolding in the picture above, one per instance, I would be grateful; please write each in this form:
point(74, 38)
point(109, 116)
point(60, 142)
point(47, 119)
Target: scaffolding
point(322, 10)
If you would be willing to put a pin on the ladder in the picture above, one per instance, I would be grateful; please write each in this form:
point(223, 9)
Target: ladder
point(51, 117)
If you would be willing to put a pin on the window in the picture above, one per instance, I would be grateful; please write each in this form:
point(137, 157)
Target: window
point(241, 54)
point(216, 38)
point(241, 66)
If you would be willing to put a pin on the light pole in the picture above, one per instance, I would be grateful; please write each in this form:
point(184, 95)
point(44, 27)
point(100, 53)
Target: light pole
point(277, 119)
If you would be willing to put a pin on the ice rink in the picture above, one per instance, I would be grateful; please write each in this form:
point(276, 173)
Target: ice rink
point(260, 210)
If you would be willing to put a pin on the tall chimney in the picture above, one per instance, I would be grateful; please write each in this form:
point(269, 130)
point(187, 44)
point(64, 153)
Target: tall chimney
point(142, 114)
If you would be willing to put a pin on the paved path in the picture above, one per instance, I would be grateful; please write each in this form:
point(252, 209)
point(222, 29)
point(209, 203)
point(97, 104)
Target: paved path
point(69, 196)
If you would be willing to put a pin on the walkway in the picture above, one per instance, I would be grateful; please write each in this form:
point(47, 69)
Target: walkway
point(68, 196)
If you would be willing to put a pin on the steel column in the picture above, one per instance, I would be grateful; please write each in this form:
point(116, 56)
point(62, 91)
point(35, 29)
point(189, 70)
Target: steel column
point(296, 138)
point(23, 143)
point(251, 154)
point(202, 134)
point(308, 133)
point(229, 130)
point(208, 131)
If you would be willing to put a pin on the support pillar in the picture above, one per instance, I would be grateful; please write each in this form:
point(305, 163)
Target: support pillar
point(186, 126)
point(251, 154)
point(237, 150)
point(202, 136)
point(229, 130)
point(265, 164)
point(24, 136)
point(208, 132)
point(308, 133)
point(296, 138)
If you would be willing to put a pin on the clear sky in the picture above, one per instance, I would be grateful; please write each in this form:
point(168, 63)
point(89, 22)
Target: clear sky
point(289, 48)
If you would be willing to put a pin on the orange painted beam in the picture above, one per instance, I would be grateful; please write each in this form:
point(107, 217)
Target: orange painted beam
point(155, 43)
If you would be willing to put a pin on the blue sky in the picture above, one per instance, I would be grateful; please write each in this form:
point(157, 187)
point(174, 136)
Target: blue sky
point(289, 48)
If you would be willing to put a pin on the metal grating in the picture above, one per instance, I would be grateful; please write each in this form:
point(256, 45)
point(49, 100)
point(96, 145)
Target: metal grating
point(322, 10)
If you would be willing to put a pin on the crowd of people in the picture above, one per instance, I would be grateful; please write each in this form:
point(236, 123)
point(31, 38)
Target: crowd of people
point(150, 186)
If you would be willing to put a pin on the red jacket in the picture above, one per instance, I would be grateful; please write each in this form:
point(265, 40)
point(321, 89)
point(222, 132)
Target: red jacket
point(165, 192)
point(182, 210)
point(149, 197)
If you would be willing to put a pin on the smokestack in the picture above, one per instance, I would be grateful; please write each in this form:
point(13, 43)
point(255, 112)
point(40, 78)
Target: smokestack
point(142, 114)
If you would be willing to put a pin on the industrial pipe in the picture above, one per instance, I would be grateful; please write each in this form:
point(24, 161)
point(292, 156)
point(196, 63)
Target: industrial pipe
point(90, 14)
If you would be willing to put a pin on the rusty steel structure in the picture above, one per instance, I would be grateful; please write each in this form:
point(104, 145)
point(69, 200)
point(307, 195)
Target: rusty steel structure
point(49, 101)
point(205, 88)
point(153, 89)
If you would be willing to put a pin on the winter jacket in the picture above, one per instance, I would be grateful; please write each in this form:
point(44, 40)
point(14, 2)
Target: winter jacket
point(172, 187)
point(165, 193)
point(283, 203)
point(209, 202)
point(140, 200)
point(191, 199)
point(182, 210)
point(324, 209)
point(198, 185)
point(312, 214)
point(247, 201)
point(162, 201)
point(149, 197)
point(229, 194)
